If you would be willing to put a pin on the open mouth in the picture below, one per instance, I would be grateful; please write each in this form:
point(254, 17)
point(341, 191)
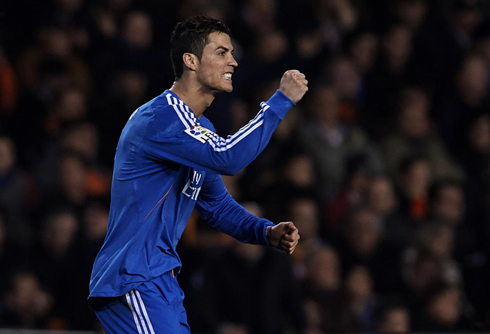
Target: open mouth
point(227, 75)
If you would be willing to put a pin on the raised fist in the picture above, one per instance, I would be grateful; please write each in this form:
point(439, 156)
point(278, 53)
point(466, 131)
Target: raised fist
point(294, 85)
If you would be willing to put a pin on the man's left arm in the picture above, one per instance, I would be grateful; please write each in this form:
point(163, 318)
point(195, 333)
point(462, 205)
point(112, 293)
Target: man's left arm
point(220, 210)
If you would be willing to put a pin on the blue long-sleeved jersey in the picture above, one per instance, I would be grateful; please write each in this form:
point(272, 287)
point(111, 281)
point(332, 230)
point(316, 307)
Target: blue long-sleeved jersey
point(168, 162)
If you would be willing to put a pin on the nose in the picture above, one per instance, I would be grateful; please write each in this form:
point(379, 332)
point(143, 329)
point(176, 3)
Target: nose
point(233, 62)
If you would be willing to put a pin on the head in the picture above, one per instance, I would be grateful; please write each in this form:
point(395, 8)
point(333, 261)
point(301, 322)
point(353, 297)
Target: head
point(415, 176)
point(394, 319)
point(96, 216)
point(444, 304)
point(7, 155)
point(323, 267)
point(447, 202)
point(344, 78)
point(413, 117)
point(437, 240)
point(466, 15)
point(27, 298)
point(304, 213)
point(324, 105)
point(55, 42)
point(300, 171)
point(412, 12)
point(425, 270)
point(358, 282)
point(381, 197)
point(82, 139)
point(201, 46)
point(358, 173)
point(71, 104)
point(363, 49)
point(397, 46)
point(132, 85)
point(472, 80)
point(271, 46)
point(137, 30)
point(73, 178)
point(479, 134)
point(364, 231)
point(59, 231)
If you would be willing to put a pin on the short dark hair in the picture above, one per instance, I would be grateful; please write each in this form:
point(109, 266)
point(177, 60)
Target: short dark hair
point(191, 35)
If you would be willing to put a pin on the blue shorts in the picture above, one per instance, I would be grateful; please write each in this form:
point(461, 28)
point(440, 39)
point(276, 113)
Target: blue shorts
point(152, 307)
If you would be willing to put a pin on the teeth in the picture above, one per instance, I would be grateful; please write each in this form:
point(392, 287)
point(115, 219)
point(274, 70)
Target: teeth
point(227, 76)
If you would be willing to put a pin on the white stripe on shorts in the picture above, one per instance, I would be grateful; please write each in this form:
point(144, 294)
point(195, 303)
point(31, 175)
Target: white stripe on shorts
point(134, 313)
point(137, 309)
point(143, 308)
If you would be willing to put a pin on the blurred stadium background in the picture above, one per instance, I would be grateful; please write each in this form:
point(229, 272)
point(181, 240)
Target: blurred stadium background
point(384, 166)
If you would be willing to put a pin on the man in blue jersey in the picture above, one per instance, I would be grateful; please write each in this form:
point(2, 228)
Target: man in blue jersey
point(168, 162)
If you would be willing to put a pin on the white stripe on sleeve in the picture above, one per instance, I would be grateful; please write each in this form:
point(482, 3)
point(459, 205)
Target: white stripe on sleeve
point(219, 144)
point(182, 119)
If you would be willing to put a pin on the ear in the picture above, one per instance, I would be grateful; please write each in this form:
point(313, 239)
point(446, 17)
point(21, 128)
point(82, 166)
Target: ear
point(190, 61)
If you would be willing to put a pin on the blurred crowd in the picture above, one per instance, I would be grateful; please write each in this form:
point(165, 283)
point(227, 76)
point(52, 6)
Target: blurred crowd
point(384, 166)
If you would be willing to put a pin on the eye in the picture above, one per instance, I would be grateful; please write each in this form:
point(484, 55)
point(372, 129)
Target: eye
point(221, 53)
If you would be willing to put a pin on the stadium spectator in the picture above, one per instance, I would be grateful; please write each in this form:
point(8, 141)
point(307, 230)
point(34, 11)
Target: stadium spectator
point(352, 310)
point(394, 319)
point(15, 197)
point(413, 184)
point(414, 136)
point(443, 311)
point(330, 142)
point(26, 303)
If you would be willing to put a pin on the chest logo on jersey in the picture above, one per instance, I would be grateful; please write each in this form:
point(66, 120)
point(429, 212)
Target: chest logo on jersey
point(191, 188)
point(200, 133)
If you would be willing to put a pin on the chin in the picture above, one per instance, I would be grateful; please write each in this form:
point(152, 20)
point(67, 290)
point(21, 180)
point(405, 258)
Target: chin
point(227, 89)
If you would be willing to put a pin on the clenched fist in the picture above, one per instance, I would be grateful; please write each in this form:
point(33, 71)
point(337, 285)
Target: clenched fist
point(284, 236)
point(294, 85)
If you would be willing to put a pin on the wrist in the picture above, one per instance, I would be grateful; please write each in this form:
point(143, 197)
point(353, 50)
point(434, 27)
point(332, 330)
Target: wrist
point(268, 234)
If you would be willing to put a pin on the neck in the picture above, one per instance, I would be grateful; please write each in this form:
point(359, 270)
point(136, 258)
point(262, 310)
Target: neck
point(197, 97)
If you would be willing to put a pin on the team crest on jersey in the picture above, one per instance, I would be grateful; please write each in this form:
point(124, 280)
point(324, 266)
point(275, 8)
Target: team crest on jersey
point(200, 133)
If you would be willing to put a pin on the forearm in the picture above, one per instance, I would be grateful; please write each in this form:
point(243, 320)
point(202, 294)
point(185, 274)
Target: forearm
point(231, 218)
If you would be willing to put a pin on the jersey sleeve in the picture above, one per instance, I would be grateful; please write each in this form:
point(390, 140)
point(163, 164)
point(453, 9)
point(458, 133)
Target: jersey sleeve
point(220, 210)
point(185, 141)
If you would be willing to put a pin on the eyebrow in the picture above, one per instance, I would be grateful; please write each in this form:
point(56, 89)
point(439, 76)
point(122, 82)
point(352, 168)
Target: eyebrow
point(225, 49)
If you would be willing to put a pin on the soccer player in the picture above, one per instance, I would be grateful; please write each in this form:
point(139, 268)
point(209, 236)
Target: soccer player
point(168, 162)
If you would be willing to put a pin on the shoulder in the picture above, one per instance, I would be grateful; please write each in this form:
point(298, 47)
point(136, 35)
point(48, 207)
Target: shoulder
point(168, 115)
point(169, 105)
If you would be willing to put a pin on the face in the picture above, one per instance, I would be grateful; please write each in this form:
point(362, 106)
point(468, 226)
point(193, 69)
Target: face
point(324, 268)
point(365, 232)
point(305, 215)
point(382, 196)
point(395, 320)
point(359, 282)
point(450, 204)
point(325, 105)
point(214, 71)
point(300, 171)
point(446, 306)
